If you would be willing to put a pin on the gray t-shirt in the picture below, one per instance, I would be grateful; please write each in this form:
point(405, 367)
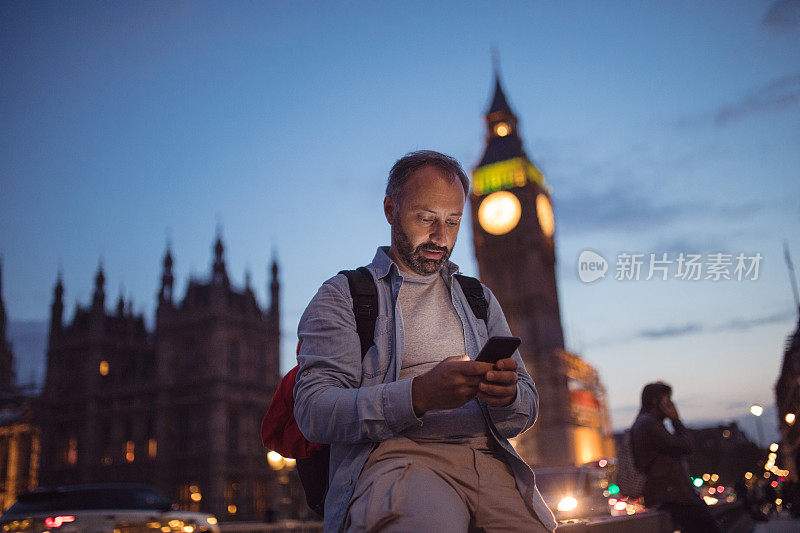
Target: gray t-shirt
point(432, 333)
point(432, 328)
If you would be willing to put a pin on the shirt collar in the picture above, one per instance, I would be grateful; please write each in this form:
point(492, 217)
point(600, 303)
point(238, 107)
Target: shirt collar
point(383, 265)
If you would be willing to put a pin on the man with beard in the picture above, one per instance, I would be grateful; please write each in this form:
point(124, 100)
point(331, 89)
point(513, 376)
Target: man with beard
point(418, 429)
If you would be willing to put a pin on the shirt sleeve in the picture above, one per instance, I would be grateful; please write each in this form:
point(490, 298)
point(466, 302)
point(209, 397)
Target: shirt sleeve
point(520, 415)
point(330, 406)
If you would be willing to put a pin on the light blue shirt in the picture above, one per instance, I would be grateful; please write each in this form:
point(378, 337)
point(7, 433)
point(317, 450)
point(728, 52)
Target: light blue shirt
point(353, 404)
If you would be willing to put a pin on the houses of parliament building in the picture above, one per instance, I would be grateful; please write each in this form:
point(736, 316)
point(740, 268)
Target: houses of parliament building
point(178, 407)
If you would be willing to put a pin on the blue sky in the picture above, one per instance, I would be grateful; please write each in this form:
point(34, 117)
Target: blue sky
point(660, 127)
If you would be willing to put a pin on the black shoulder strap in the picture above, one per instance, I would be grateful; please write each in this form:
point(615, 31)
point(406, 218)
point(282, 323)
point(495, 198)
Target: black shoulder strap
point(473, 290)
point(365, 305)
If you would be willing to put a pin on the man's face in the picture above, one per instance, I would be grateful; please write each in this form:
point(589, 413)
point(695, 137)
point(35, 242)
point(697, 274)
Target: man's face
point(425, 224)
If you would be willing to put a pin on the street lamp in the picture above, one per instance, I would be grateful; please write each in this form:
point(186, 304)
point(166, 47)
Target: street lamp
point(756, 410)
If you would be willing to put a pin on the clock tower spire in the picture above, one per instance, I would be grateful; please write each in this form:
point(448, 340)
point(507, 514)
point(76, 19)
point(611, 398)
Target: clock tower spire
point(513, 225)
point(513, 231)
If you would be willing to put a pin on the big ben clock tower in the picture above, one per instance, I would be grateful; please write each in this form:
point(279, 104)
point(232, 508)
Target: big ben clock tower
point(514, 229)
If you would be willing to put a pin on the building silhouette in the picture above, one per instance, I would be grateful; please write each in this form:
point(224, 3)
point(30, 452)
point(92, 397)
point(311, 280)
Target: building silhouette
point(178, 407)
point(513, 230)
point(19, 438)
point(787, 399)
point(7, 379)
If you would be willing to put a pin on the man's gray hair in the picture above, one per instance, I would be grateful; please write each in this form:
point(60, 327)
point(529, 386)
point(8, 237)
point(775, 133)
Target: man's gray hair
point(406, 165)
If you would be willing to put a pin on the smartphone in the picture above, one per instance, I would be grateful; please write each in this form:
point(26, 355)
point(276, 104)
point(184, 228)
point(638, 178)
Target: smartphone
point(498, 348)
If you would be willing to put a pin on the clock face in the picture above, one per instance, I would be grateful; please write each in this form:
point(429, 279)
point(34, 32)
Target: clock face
point(545, 213)
point(502, 129)
point(499, 212)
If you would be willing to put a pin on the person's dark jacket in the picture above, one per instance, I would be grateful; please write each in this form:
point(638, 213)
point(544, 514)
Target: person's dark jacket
point(658, 453)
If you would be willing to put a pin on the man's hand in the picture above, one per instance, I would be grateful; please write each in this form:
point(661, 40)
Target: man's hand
point(499, 385)
point(668, 408)
point(448, 385)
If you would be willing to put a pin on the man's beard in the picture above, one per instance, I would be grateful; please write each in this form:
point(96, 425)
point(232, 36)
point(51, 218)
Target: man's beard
point(412, 256)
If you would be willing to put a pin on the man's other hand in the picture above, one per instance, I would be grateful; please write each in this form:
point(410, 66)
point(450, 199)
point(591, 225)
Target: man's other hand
point(499, 385)
point(668, 408)
point(448, 385)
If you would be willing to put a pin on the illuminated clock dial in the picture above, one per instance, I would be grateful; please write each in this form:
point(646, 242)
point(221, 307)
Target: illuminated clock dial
point(545, 213)
point(502, 129)
point(499, 212)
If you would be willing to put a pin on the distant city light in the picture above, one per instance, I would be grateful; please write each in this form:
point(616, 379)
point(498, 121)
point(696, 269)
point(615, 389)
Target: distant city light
point(773, 447)
point(756, 410)
point(714, 477)
point(613, 489)
point(103, 368)
point(706, 477)
point(789, 418)
point(748, 475)
point(698, 482)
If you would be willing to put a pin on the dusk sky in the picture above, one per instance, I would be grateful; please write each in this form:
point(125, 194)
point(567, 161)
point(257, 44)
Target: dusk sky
point(661, 127)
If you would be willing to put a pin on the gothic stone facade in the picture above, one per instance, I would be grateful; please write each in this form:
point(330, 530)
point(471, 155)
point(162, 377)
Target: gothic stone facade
point(178, 407)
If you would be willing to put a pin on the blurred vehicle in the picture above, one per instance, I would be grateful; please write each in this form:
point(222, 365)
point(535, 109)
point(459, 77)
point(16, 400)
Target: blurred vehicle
point(575, 492)
point(106, 507)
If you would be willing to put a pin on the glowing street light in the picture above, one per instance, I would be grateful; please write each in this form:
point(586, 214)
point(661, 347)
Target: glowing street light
point(756, 410)
point(789, 418)
point(276, 460)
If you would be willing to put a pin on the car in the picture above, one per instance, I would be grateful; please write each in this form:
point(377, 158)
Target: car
point(574, 492)
point(106, 507)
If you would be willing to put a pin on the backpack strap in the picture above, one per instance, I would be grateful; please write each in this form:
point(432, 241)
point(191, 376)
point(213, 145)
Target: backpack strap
point(473, 290)
point(365, 305)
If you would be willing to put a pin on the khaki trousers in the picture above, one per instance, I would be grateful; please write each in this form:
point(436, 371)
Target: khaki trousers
point(407, 486)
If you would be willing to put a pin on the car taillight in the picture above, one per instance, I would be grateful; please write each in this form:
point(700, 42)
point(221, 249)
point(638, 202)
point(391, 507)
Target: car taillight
point(57, 521)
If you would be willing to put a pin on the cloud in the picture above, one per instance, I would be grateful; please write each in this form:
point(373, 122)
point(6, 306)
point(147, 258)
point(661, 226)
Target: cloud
point(693, 328)
point(621, 207)
point(740, 324)
point(669, 331)
point(615, 208)
point(782, 15)
point(779, 94)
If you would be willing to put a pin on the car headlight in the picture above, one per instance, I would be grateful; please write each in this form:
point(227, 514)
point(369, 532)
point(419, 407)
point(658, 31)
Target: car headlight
point(567, 504)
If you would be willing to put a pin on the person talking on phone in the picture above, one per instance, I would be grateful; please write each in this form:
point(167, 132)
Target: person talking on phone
point(659, 454)
point(418, 429)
